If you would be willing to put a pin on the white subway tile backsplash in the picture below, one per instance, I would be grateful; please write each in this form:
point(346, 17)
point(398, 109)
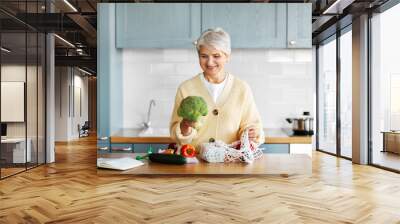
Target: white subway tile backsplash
point(142, 55)
point(173, 81)
point(193, 56)
point(136, 69)
point(242, 69)
point(295, 69)
point(236, 56)
point(280, 55)
point(175, 55)
point(281, 81)
point(162, 68)
point(188, 69)
point(255, 55)
point(296, 95)
point(134, 119)
point(270, 69)
point(302, 55)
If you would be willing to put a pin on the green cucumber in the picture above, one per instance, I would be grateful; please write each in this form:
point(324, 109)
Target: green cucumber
point(167, 158)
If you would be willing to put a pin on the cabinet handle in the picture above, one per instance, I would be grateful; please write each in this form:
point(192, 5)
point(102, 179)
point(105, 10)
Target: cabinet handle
point(104, 148)
point(103, 138)
point(292, 42)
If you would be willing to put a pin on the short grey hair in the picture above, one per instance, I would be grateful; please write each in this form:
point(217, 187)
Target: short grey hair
point(216, 38)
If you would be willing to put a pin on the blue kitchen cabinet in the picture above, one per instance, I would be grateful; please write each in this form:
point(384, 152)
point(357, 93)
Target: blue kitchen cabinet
point(299, 25)
point(103, 145)
point(275, 148)
point(178, 25)
point(109, 76)
point(127, 148)
point(151, 25)
point(124, 148)
point(255, 25)
point(142, 148)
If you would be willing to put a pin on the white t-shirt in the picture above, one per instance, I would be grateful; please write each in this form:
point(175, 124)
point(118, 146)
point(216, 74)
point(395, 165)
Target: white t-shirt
point(214, 89)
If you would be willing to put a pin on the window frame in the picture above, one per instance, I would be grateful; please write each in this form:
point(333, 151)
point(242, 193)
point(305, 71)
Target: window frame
point(334, 37)
point(379, 10)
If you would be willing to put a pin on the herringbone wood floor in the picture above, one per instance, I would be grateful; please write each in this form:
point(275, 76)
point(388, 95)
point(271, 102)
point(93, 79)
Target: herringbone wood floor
point(69, 191)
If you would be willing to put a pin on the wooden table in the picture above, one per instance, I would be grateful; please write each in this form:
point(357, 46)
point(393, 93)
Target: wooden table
point(272, 136)
point(391, 141)
point(269, 164)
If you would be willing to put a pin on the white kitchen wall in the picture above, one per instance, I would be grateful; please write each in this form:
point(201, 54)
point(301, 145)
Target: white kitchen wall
point(282, 82)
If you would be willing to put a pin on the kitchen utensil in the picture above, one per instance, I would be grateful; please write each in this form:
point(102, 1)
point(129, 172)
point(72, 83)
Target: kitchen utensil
point(303, 125)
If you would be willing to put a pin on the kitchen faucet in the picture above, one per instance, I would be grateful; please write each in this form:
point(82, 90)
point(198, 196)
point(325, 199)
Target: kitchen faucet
point(148, 122)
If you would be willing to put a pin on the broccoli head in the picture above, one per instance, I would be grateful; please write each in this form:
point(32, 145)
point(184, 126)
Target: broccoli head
point(192, 108)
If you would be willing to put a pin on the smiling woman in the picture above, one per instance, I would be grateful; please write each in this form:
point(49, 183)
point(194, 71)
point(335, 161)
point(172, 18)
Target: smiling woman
point(229, 99)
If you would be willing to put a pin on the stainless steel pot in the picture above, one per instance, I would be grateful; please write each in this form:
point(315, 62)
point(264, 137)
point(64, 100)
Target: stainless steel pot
point(302, 126)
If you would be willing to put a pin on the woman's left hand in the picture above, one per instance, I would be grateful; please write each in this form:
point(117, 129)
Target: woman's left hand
point(253, 133)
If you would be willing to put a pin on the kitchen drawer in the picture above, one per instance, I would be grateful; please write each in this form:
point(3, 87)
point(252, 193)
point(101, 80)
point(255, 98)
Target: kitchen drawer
point(275, 148)
point(121, 148)
point(142, 148)
point(114, 148)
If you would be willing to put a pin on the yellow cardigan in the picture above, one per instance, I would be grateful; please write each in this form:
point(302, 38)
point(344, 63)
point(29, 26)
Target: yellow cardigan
point(234, 111)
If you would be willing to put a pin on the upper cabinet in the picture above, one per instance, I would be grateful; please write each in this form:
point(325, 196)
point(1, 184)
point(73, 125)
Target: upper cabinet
point(299, 25)
point(178, 25)
point(149, 25)
point(254, 25)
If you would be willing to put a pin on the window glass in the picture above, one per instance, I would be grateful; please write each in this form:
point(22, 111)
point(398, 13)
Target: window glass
point(15, 150)
point(385, 87)
point(327, 97)
point(346, 94)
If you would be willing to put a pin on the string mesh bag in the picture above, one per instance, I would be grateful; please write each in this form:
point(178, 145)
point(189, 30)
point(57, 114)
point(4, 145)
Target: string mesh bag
point(240, 151)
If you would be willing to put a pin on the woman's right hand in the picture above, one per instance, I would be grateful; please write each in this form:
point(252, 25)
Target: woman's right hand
point(186, 127)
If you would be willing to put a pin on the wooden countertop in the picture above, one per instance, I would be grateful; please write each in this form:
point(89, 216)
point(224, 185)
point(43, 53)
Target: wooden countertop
point(273, 136)
point(391, 132)
point(269, 164)
point(280, 136)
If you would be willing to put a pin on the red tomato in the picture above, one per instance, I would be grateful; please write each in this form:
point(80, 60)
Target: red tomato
point(188, 150)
